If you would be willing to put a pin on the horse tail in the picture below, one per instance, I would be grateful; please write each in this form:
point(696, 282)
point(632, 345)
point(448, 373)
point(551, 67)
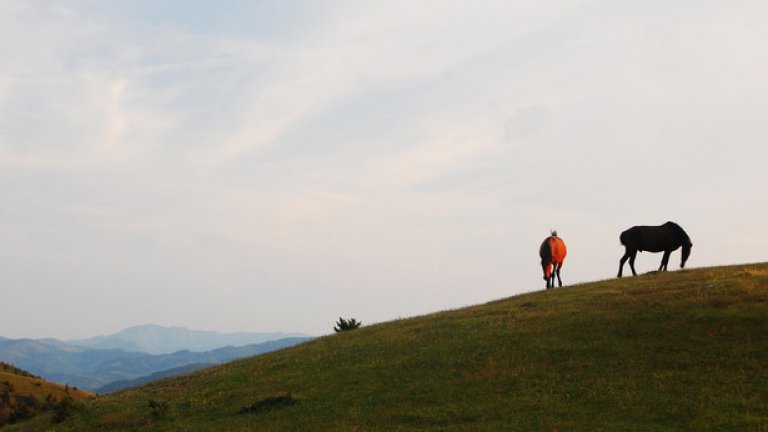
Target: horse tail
point(624, 238)
point(631, 238)
point(545, 251)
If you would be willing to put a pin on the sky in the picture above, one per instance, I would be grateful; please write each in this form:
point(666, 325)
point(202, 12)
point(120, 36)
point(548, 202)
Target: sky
point(274, 165)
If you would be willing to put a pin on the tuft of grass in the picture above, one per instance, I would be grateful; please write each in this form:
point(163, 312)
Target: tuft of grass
point(681, 350)
point(159, 409)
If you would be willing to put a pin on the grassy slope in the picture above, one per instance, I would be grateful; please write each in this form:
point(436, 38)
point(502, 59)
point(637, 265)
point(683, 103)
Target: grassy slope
point(37, 387)
point(671, 351)
point(19, 390)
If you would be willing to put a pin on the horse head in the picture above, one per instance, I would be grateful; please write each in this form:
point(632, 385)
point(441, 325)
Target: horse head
point(546, 266)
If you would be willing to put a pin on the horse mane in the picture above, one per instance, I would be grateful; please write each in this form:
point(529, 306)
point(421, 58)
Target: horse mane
point(680, 233)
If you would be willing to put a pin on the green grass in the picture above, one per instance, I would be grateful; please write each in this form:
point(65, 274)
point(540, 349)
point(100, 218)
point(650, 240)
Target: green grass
point(684, 350)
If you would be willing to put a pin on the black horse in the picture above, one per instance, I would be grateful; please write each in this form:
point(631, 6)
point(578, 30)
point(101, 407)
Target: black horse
point(665, 238)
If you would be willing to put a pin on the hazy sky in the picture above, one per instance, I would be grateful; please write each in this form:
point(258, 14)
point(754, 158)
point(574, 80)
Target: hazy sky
point(273, 165)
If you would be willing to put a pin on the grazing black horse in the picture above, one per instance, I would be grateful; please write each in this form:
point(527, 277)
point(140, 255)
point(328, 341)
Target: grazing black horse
point(665, 238)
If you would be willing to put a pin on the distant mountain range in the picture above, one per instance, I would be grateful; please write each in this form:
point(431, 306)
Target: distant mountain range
point(129, 360)
point(155, 339)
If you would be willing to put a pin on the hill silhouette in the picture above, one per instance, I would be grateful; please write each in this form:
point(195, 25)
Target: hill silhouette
point(682, 350)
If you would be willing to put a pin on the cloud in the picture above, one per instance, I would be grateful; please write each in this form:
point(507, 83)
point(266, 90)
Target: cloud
point(356, 154)
point(63, 12)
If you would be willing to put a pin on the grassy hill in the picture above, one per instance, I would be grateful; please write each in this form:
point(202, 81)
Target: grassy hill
point(24, 395)
point(683, 350)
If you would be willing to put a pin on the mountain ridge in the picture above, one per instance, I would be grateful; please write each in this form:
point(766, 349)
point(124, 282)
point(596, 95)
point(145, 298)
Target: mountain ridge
point(157, 339)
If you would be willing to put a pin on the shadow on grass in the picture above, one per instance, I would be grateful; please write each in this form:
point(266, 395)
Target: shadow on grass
point(268, 404)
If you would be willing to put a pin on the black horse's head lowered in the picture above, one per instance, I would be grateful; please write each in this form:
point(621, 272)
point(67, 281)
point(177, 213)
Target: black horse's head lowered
point(663, 238)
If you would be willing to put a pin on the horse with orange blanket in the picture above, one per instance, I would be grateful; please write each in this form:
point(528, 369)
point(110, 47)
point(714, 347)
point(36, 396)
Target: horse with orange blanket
point(552, 252)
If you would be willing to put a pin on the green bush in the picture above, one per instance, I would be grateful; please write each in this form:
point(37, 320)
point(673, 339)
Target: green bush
point(344, 325)
point(63, 409)
point(159, 408)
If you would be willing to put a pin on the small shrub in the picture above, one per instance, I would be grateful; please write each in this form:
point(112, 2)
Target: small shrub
point(63, 409)
point(268, 404)
point(159, 408)
point(22, 411)
point(344, 325)
point(50, 402)
point(29, 401)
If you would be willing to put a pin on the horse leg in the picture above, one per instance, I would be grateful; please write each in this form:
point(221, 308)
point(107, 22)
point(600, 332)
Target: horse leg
point(664, 261)
point(559, 281)
point(632, 262)
point(626, 256)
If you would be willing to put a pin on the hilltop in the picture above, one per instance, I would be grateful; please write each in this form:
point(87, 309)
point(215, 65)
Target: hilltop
point(663, 351)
